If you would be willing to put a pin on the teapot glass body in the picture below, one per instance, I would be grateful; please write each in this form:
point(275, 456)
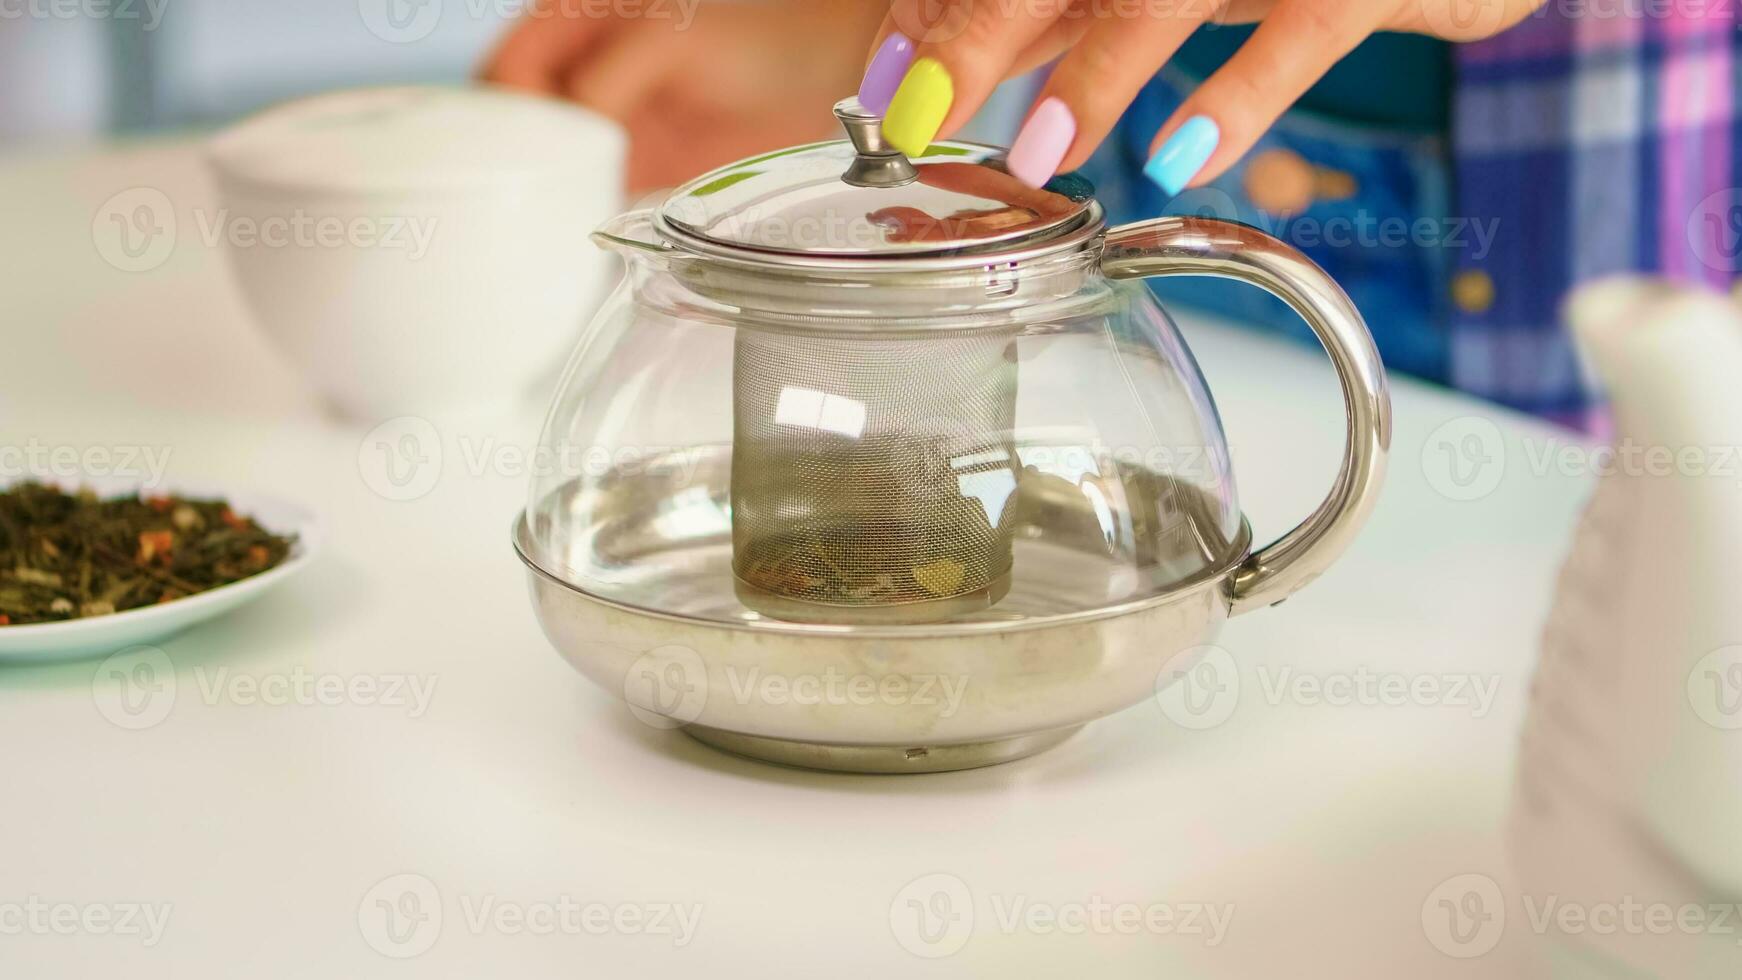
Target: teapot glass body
point(867, 426)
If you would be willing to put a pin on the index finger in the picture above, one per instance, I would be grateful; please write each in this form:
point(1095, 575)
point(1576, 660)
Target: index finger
point(1215, 125)
point(961, 50)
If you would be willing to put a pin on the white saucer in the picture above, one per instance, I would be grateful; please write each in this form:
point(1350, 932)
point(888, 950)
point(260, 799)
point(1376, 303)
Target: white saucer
point(102, 635)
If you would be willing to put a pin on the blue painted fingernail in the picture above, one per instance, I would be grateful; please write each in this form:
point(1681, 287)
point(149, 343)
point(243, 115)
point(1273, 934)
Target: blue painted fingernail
point(1184, 154)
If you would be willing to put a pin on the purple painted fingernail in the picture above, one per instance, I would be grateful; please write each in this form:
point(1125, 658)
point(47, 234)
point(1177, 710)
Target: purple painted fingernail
point(885, 72)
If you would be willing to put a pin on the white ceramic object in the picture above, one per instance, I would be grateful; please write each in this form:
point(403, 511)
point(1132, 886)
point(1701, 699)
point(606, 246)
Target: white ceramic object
point(100, 636)
point(1630, 775)
point(419, 250)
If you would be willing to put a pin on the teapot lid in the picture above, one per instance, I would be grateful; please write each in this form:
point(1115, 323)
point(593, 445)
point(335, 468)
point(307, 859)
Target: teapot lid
point(860, 197)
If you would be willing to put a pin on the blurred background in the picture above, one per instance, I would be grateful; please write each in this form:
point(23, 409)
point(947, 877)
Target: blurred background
point(76, 71)
point(1323, 818)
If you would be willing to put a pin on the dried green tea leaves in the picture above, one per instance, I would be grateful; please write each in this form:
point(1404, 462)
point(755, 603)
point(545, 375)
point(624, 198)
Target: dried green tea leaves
point(67, 556)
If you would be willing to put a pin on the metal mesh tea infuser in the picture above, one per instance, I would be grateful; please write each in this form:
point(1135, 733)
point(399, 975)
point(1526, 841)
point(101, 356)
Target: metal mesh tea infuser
point(874, 478)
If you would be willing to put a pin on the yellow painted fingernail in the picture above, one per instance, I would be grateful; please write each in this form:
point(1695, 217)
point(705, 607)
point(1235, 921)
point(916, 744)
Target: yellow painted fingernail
point(919, 107)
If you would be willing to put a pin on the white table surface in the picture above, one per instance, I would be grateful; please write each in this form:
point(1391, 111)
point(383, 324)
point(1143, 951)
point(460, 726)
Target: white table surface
point(264, 828)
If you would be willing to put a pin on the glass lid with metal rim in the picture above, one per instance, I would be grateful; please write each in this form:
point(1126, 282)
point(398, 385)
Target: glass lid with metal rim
point(862, 198)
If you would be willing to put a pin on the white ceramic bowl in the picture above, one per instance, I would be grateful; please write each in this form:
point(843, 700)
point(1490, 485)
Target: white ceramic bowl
point(419, 250)
point(99, 636)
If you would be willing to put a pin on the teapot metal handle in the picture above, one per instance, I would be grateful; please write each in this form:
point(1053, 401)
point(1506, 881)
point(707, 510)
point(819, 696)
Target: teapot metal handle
point(1193, 246)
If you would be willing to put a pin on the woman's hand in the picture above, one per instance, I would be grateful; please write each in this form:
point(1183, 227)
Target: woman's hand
point(935, 61)
point(740, 79)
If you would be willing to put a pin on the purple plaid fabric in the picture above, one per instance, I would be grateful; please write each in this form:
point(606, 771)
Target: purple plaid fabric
point(1604, 137)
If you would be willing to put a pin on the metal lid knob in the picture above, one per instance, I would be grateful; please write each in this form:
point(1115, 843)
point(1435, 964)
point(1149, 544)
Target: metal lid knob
point(878, 164)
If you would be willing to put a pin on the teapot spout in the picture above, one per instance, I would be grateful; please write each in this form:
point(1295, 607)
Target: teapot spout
point(631, 235)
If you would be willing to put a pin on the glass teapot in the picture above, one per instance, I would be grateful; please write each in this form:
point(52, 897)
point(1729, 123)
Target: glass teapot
point(854, 422)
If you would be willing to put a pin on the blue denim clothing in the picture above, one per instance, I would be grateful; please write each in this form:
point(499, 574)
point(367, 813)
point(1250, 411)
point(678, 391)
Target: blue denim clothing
point(1389, 243)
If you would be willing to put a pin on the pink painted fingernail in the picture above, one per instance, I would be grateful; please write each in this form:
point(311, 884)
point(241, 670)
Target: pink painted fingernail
point(1035, 155)
point(883, 76)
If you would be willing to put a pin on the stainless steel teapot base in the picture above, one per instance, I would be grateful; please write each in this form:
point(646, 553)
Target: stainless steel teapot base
point(1080, 634)
point(927, 698)
point(879, 759)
